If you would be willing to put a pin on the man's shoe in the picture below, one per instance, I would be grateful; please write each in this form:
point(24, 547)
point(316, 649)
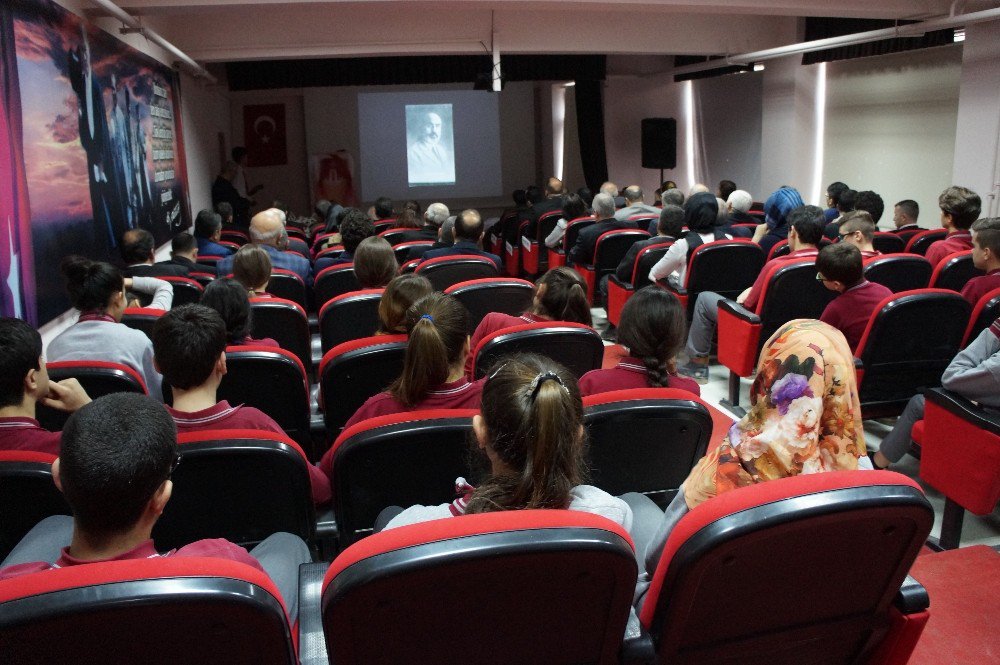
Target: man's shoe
point(695, 370)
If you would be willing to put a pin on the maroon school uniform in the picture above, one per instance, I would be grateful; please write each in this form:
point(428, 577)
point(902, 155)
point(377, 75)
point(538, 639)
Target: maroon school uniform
point(267, 341)
point(959, 241)
point(869, 254)
point(849, 312)
point(628, 373)
point(491, 323)
point(223, 416)
point(18, 433)
point(758, 286)
point(975, 288)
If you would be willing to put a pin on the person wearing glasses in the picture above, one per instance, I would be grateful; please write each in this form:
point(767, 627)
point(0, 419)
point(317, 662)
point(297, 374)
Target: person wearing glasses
point(118, 454)
point(959, 209)
point(858, 229)
point(841, 270)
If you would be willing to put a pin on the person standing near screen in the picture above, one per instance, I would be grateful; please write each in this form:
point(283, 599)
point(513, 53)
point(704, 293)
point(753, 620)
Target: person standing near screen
point(428, 159)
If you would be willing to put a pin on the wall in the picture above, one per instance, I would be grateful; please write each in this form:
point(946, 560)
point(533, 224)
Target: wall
point(730, 122)
point(204, 115)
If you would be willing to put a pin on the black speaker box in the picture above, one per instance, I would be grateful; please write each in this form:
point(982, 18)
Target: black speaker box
point(659, 143)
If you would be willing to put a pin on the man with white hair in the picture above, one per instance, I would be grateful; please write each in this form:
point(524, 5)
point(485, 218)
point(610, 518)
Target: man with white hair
point(268, 231)
point(737, 207)
point(634, 205)
point(611, 188)
point(434, 218)
point(582, 252)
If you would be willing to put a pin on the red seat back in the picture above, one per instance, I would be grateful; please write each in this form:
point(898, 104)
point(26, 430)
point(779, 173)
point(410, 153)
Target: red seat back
point(984, 313)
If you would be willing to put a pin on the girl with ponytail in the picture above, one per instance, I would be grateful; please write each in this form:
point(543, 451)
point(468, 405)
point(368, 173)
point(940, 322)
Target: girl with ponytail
point(653, 329)
point(530, 428)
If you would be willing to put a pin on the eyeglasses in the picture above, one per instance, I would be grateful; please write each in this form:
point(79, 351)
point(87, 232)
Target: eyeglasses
point(841, 236)
point(173, 465)
point(820, 278)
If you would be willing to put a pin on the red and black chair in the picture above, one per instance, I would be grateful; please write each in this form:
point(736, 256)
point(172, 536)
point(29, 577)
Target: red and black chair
point(960, 458)
point(726, 267)
point(791, 291)
point(289, 286)
point(766, 549)
point(142, 318)
point(298, 246)
point(232, 246)
point(642, 221)
point(27, 495)
point(444, 271)
point(272, 380)
point(899, 272)
point(202, 278)
point(494, 294)
point(400, 459)
point(610, 249)
point(910, 339)
point(97, 377)
point(575, 346)
point(535, 564)
point(285, 322)
point(888, 243)
point(496, 234)
point(352, 372)
point(645, 440)
point(241, 485)
point(534, 257)
point(394, 236)
point(557, 257)
point(984, 313)
point(920, 242)
point(349, 316)
point(384, 224)
point(402, 250)
point(335, 281)
point(209, 259)
point(297, 233)
point(157, 610)
point(907, 234)
point(235, 236)
point(320, 240)
point(954, 271)
point(619, 292)
point(187, 291)
point(331, 252)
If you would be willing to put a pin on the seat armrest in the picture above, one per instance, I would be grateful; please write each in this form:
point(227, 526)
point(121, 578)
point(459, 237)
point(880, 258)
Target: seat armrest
point(965, 409)
point(613, 279)
point(739, 311)
point(312, 642)
point(670, 286)
point(912, 597)
point(637, 645)
point(858, 364)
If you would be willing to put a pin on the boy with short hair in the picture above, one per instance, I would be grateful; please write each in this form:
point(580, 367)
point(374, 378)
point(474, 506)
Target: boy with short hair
point(985, 256)
point(840, 270)
point(959, 209)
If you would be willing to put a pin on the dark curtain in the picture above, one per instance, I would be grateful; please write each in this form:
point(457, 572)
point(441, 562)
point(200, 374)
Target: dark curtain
point(821, 28)
point(590, 126)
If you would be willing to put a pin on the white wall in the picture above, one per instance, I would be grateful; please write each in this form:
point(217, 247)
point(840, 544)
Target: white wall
point(204, 116)
point(730, 123)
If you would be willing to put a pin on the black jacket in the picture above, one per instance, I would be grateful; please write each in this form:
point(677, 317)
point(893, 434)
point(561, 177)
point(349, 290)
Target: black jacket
point(582, 252)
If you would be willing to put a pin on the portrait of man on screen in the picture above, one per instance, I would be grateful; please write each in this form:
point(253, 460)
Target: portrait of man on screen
point(430, 156)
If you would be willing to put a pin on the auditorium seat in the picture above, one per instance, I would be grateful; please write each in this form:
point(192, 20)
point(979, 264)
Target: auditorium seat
point(899, 272)
point(888, 243)
point(400, 459)
point(910, 339)
point(494, 240)
point(443, 271)
point(384, 224)
point(298, 246)
point(960, 458)
point(330, 252)
point(352, 372)
point(906, 234)
point(493, 294)
point(295, 233)
point(575, 346)
point(241, 485)
point(645, 440)
point(334, 281)
point(232, 246)
point(394, 236)
point(954, 271)
point(557, 257)
point(157, 610)
point(202, 278)
point(534, 258)
point(410, 265)
point(272, 380)
point(289, 286)
point(285, 322)
point(643, 221)
point(402, 249)
point(726, 267)
point(97, 377)
point(524, 586)
point(235, 236)
point(790, 291)
point(984, 313)
point(321, 240)
point(920, 242)
point(142, 318)
point(349, 316)
point(209, 259)
point(187, 291)
point(27, 495)
point(619, 292)
point(774, 551)
point(609, 250)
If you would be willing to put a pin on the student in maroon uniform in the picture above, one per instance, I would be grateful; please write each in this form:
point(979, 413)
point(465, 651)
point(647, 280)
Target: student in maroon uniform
point(985, 256)
point(841, 270)
point(228, 297)
point(397, 298)
point(560, 295)
point(653, 329)
point(189, 349)
point(23, 383)
point(859, 229)
point(118, 454)
point(252, 269)
point(959, 209)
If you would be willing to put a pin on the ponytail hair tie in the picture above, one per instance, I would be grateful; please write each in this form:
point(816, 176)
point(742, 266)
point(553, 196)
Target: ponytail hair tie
point(537, 382)
point(428, 317)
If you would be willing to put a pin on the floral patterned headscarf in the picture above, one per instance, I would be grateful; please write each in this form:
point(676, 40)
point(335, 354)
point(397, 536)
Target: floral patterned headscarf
point(805, 416)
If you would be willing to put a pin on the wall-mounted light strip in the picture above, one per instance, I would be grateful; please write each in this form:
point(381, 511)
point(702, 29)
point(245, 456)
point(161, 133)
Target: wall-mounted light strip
point(689, 131)
point(558, 128)
point(818, 141)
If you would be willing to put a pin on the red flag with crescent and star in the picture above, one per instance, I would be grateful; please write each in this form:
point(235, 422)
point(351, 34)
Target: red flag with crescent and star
point(264, 135)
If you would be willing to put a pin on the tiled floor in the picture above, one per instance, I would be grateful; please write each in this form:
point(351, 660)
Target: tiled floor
point(975, 530)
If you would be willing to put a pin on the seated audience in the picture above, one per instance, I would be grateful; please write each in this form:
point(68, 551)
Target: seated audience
point(700, 214)
point(98, 290)
point(552, 199)
point(841, 270)
point(382, 209)
point(317, 221)
point(653, 329)
point(845, 204)
point(398, 297)
point(23, 384)
point(986, 257)
point(355, 226)
point(666, 186)
point(468, 236)
point(230, 300)
point(225, 211)
point(434, 218)
point(252, 269)
point(858, 228)
point(375, 263)
point(268, 231)
point(114, 469)
point(184, 253)
point(805, 230)
point(871, 203)
point(672, 196)
point(670, 226)
point(414, 206)
point(573, 208)
point(959, 209)
point(776, 226)
point(189, 345)
point(582, 252)
point(634, 204)
point(407, 219)
point(208, 232)
point(904, 216)
point(737, 210)
point(136, 247)
point(611, 189)
point(530, 429)
point(833, 192)
point(725, 188)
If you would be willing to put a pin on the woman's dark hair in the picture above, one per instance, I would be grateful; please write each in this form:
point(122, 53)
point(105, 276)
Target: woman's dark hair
point(564, 297)
point(397, 298)
point(438, 329)
point(91, 284)
point(573, 207)
point(533, 415)
point(407, 219)
point(701, 212)
point(229, 298)
point(252, 266)
point(653, 328)
point(375, 263)
point(586, 196)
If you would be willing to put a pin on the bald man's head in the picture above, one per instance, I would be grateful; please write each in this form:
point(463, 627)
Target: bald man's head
point(609, 188)
point(268, 228)
point(554, 187)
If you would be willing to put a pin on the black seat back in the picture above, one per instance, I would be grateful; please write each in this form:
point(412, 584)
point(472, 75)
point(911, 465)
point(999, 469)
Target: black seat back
point(498, 294)
point(612, 247)
point(888, 243)
point(350, 316)
point(98, 378)
point(955, 272)
point(445, 271)
point(352, 372)
point(27, 495)
point(576, 347)
point(286, 323)
point(899, 272)
point(644, 262)
point(920, 242)
point(187, 291)
point(288, 285)
point(793, 293)
point(335, 281)
point(726, 267)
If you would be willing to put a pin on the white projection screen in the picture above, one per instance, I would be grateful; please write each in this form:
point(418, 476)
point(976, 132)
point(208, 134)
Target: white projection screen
point(424, 145)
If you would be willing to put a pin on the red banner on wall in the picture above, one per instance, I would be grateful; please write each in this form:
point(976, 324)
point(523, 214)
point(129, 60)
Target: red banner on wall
point(264, 135)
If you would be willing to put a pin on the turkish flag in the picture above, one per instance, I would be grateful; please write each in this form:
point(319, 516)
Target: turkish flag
point(264, 134)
